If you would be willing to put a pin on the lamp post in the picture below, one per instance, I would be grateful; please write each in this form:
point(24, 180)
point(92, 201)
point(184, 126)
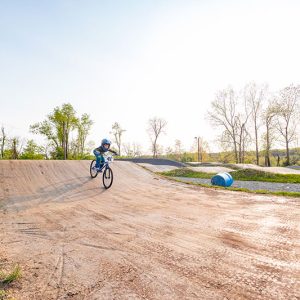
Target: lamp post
point(198, 146)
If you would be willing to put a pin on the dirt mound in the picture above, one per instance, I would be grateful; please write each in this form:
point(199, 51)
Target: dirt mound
point(144, 238)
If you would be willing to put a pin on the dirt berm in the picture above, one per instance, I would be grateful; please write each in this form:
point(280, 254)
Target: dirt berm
point(144, 238)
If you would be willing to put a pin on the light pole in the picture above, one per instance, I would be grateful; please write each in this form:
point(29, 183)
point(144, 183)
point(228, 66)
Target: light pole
point(198, 145)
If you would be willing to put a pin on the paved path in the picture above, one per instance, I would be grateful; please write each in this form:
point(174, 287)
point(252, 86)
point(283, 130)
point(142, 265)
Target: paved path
point(252, 185)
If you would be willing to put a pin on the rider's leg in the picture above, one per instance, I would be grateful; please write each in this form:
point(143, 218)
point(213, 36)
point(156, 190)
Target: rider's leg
point(101, 161)
point(98, 158)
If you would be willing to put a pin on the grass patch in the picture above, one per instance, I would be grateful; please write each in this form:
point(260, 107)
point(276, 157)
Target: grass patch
point(2, 294)
point(243, 175)
point(255, 175)
point(264, 192)
point(14, 275)
point(186, 172)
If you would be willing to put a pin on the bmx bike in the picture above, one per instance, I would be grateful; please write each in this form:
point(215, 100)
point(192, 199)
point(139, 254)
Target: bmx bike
point(107, 177)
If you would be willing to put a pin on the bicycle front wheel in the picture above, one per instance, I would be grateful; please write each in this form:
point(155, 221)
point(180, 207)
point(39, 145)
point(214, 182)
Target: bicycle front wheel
point(93, 170)
point(107, 178)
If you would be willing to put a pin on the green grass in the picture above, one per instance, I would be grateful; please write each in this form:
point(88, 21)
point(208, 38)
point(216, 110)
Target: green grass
point(255, 175)
point(185, 172)
point(264, 192)
point(2, 294)
point(14, 275)
point(243, 175)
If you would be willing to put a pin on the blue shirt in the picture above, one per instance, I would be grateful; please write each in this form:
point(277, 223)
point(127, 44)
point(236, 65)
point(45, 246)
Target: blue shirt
point(102, 149)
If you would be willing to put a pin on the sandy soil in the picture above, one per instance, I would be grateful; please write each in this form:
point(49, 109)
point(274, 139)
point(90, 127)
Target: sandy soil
point(145, 238)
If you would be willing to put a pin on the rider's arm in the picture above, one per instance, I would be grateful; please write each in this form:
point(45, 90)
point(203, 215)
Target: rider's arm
point(100, 149)
point(114, 152)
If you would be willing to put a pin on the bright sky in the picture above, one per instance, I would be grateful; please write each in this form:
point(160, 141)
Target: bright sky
point(128, 61)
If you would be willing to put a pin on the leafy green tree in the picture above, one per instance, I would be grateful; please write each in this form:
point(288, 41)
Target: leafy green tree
point(65, 120)
point(57, 128)
point(84, 125)
point(32, 151)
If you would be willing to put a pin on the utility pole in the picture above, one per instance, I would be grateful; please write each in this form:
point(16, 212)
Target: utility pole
point(198, 147)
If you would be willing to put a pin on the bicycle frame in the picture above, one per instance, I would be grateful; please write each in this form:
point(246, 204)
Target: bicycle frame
point(107, 161)
point(107, 177)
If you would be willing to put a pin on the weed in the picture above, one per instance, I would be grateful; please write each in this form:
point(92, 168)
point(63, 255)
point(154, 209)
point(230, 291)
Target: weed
point(12, 276)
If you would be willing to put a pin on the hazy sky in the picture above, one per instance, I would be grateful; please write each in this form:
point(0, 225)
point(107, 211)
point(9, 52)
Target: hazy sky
point(128, 61)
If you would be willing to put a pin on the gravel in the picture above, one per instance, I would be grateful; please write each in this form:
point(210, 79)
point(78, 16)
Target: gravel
point(252, 185)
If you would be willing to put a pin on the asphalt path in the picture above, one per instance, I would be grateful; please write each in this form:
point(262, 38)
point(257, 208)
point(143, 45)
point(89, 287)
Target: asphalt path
point(251, 185)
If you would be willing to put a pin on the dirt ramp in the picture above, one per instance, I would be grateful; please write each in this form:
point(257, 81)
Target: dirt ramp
point(144, 238)
point(29, 183)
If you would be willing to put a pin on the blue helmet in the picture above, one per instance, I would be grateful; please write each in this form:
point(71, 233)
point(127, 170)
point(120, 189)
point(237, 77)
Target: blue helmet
point(105, 141)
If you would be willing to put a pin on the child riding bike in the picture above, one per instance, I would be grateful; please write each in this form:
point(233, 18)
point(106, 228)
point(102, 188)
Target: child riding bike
point(104, 147)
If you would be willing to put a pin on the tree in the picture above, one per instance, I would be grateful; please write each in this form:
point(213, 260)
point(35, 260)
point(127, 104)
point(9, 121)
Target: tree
point(169, 151)
point(178, 149)
point(156, 126)
point(232, 116)
point(132, 150)
point(201, 147)
point(15, 147)
point(32, 151)
point(268, 119)
point(243, 136)
point(57, 127)
point(47, 128)
point(84, 125)
point(223, 113)
point(3, 140)
point(287, 116)
point(254, 96)
point(65, 120)
point(117, 132)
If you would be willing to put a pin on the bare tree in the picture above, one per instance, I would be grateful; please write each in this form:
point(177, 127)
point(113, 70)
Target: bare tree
point(16, 147)
point(201, 147)
point(3, 140)
point(132, 150)
point(169, 151)
point(254, 96)
point(288, 114)
point(156, 126)
point(268, 119)
point(243, 137)
point(178, 149)
point(224, 113)
point(117, 132)
point(232, 115)
point(136, 149)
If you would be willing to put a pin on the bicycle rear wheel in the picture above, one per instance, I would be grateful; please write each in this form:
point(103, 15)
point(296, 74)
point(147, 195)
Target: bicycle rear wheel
point(107, 178)
point(93, 170)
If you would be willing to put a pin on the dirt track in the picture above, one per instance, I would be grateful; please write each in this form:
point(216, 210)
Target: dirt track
point(145, 238)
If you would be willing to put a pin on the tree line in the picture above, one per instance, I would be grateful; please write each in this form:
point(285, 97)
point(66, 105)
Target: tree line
point(255, 116)
point(250, 118)
point(57, 129)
